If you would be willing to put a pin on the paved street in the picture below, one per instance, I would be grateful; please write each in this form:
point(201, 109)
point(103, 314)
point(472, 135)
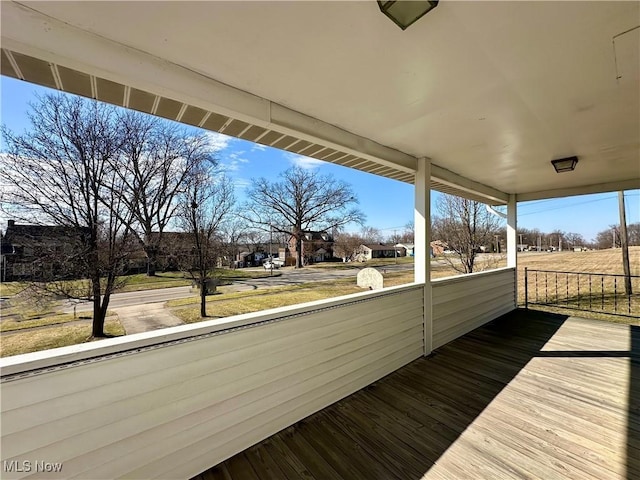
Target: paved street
point(144, 311)
point(130, 299)
point(282, 277)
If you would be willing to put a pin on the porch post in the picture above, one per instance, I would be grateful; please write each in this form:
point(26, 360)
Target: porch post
point(422, 257)
point(512, 240)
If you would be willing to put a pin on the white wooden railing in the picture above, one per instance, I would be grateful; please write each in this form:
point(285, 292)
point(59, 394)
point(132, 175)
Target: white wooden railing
point(172, 403)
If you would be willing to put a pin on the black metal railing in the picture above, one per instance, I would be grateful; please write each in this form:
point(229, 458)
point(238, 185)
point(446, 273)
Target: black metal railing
point(592, 292)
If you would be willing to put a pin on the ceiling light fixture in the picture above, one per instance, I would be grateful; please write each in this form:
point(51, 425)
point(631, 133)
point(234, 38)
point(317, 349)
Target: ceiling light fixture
point(405, 13)
point(565, 164)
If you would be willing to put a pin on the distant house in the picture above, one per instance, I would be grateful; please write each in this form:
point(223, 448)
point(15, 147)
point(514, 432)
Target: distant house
point(369, 252)
point(408, 247)
point(284, 254)
point(437, 247)
point(250, 259)
point(176, 251)
point(316, 247)
point(41, 252)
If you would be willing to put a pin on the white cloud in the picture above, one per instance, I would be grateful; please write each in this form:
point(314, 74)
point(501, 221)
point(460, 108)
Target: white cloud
point(218, 141)
point(235, 157)
point(230, 166)
point(258, 146)
point(303, 162)
point(232, 162)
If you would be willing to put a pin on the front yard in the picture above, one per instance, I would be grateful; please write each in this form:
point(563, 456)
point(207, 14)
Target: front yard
point(28, 327)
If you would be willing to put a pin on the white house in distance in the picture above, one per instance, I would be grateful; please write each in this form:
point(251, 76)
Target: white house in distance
point(409, 248)
point(372, 251)
point(475, 99)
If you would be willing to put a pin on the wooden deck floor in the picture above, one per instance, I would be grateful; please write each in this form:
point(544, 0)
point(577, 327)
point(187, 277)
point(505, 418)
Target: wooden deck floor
point(528, 396)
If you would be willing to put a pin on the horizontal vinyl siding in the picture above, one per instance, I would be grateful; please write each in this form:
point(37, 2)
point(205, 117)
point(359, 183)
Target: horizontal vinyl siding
point(461, 304)
point(173, 412)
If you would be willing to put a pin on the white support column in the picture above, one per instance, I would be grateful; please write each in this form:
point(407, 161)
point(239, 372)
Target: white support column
point(422, 257)
point(512, 239)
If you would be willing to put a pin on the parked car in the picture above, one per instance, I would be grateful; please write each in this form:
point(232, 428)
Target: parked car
point(268, 265)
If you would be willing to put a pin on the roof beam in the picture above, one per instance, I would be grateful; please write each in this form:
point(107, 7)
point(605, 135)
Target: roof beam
point(302, 126)
point(459, 182)
point(30, 32)
point(631, 184)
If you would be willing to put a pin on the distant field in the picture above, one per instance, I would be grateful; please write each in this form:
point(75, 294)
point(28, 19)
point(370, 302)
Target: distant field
point(596, 261)
point(596, 293)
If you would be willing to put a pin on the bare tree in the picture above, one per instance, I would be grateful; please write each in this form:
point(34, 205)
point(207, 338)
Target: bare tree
point(207, 204)
point(575, 240)
point(371, 235)
point(346, 245)
point(407, 235)
point(234, 232)
point(556, 239)
point(465, 225)
point(60, 173)
point(254, 239)
point(301, 200)
point(633, 230)
point(609, 238)
point(155, 161)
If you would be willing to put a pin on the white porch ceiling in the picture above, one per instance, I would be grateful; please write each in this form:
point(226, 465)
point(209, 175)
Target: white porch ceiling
point(489, 90)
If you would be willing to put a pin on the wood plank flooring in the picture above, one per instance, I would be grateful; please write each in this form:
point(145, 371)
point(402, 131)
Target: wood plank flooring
point(531, 396)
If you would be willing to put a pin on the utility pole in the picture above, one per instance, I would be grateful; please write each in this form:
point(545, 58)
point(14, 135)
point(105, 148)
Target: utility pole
point(624, 242)
point(270, 251)
point(395, 249)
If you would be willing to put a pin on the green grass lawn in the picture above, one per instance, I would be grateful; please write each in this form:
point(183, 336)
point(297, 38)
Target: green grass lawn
point(226, 305)
point(9, 289)
point(53, 337)
point(138, 282)
point(141, 281)
point(10, 324)
point(57, 334)
point(247, 302)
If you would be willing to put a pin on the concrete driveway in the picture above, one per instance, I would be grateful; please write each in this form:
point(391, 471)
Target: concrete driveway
point(144, 318)
point(141, 311)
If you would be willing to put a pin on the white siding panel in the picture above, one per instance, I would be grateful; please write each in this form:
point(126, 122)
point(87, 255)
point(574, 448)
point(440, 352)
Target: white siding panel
point(461, 304)
point(173, 411)
point(229, 365)
point(323, 400)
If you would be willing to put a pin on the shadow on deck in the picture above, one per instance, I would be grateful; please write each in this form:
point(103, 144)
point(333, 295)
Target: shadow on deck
point(530, 395)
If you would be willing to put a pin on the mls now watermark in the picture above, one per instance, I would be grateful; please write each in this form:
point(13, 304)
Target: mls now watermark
point(28, 466)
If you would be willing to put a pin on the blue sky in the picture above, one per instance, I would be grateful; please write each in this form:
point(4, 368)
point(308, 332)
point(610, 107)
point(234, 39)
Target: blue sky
point(388, 204)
